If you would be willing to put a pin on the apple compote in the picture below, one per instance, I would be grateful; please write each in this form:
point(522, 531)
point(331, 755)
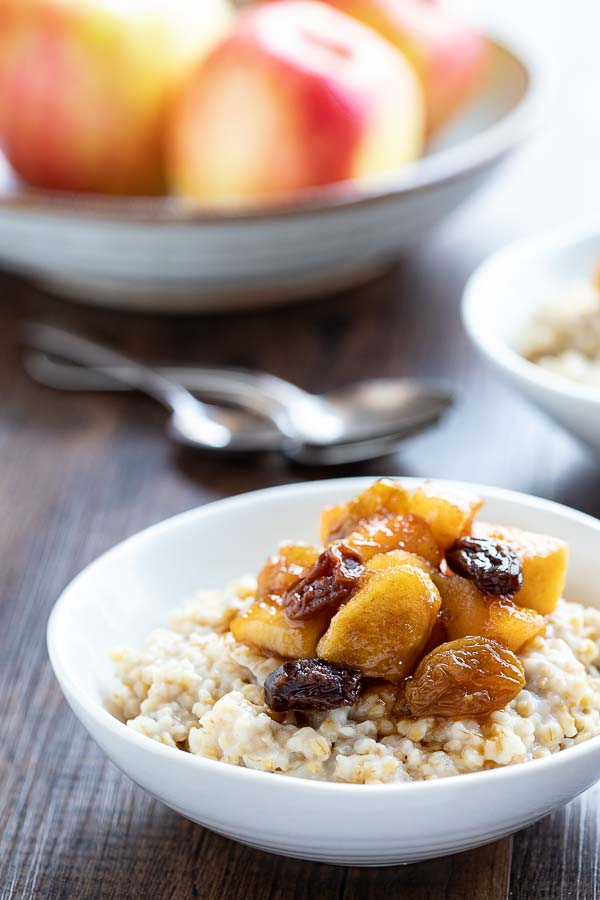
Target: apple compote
point(414, 643)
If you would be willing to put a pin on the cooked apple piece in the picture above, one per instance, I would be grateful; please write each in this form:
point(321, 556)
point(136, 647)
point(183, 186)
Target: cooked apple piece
point(395, 558)
point(332, 522)
point(466, 611)
point(401, 558)
point(266, 626)
point(439, 633)
point(284, 569)
point(544, 560)
point(448, 512)
point(384, 629)
point(383, 498)
point(408, 533)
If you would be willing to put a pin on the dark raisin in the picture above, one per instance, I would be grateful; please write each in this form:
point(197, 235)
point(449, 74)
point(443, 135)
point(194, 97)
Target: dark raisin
point(493, 566)
point(311, 684)
point(330, 583)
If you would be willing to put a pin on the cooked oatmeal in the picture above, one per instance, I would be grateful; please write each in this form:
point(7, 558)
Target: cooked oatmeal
point(564, 335)
point(416, 642)
point(193, 686)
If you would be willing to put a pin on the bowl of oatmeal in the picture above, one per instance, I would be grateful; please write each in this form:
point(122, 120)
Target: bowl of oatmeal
point(346, 671)
point(533, 311)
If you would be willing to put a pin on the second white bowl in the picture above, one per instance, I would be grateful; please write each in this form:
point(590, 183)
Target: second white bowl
point(499, 301)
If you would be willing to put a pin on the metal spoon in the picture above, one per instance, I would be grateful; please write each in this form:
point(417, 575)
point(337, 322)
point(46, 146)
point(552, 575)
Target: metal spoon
point(192, 422)
point(358, 422)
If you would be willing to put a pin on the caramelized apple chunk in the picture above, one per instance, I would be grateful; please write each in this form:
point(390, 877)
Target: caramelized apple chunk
point(544, 560)
point(381, 535)
point(284, 569)
point(383, 629)
point(448, 512)
point(399, 558)
point(265, 624)
point(439, 633)
point(384, 498)
point(472, 676)
point(467, 611)
point(402, 558)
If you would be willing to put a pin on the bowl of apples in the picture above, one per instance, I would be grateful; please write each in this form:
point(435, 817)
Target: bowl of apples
point(176, 156)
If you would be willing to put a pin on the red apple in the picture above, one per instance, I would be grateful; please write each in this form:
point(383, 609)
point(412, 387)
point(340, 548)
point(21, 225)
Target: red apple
point(447, 54)
point(296, 95)
point(84, 86)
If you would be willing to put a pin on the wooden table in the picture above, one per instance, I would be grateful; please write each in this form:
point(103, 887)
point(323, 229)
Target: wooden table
point(79, 473)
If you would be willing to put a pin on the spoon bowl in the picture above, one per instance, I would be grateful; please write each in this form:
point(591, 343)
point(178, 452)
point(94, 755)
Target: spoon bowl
point(377, 406)
point(242, 431)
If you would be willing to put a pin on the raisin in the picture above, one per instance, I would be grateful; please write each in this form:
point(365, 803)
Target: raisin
point(305, 684)
point(493, 566)
point(472, 676)
point(283, 570)
point(330, 583)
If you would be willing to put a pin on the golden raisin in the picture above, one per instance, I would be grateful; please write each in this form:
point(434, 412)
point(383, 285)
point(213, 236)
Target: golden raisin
point(472, 676)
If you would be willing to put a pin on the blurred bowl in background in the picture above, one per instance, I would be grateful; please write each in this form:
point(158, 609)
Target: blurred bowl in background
point(499, 303)
point(162, 255)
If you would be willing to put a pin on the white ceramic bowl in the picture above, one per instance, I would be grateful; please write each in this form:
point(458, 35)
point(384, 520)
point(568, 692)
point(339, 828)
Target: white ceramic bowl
point(161, 255)
point(499, 301)
point(124, 594)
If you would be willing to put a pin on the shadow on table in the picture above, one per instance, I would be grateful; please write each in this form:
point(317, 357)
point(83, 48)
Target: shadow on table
point(231, 475)
point(245, 873)
point(581, 488)
point(161, 855)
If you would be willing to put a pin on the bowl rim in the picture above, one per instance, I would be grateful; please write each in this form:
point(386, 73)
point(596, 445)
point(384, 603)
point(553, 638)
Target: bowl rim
point(107, 722)
point(488, 342)
point(442, 167)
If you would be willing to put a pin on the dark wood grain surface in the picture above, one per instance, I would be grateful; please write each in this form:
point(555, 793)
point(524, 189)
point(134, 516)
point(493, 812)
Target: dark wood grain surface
point(79, 473)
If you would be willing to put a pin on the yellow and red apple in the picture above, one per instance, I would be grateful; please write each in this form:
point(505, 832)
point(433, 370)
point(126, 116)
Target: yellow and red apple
point(84, 86)
point(448, 55)
point(296, 95)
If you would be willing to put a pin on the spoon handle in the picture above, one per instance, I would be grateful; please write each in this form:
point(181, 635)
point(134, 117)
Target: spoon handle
point(85, 352)
point(218, 385)
point(260, 393)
